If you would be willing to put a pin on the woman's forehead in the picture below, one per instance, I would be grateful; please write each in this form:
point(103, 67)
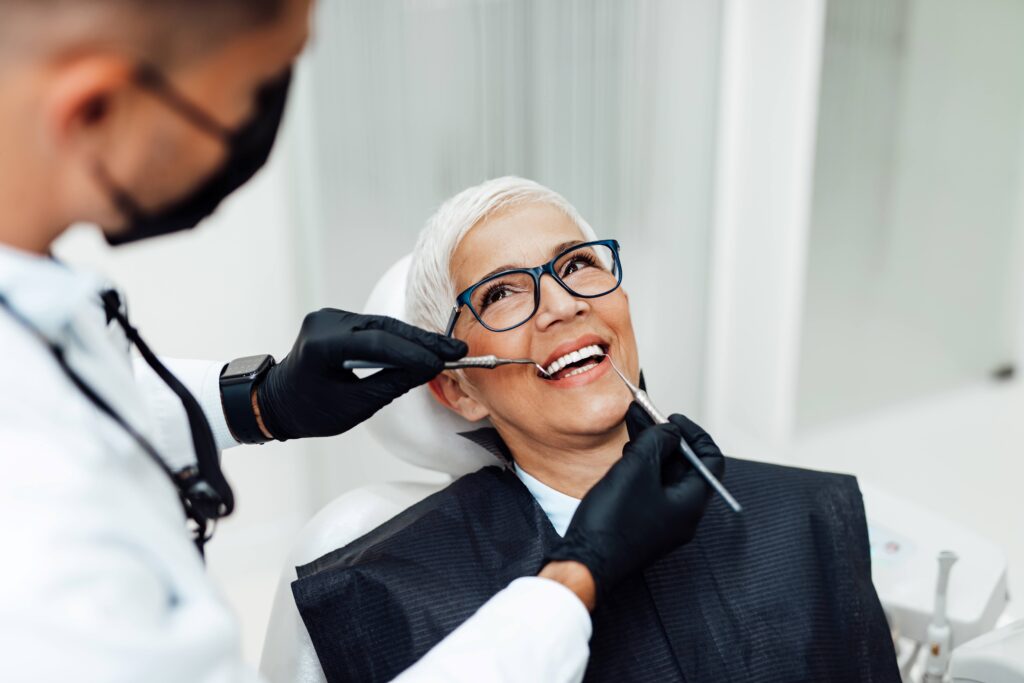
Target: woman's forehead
point(524, 236)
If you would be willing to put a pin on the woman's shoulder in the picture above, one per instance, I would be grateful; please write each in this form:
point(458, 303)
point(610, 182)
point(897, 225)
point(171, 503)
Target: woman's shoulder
point(472, 504)
point(418, 575)
point(744, 474)
point(777, 496)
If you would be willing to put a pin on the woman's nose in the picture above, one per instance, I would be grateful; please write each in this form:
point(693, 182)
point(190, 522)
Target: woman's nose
point(556, 304)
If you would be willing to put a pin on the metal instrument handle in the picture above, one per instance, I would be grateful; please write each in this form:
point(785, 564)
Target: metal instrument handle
point(467, 362)
point(473, 362)
point(645, 402)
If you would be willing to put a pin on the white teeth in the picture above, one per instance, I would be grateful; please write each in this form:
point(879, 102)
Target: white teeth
point(579, 371)
point(574, 357)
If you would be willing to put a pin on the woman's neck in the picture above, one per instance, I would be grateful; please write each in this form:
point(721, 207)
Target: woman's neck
point(572, 465)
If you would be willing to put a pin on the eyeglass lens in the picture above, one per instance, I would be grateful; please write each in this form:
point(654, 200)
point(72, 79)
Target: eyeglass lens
point(509, 300)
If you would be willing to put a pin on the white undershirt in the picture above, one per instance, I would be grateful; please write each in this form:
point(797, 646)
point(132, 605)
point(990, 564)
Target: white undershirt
point(556, 505)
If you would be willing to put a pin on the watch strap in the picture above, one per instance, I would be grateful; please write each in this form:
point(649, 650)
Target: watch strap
point(236, 399)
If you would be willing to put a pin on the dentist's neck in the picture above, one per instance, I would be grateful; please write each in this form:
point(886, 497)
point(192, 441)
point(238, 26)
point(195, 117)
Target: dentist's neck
point(572, 467)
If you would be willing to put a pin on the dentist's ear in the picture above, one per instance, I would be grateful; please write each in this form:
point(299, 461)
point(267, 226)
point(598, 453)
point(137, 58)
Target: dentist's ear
point(448, 392)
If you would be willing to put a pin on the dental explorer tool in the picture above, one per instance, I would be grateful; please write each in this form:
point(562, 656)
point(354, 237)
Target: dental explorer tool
point(488, 362)
point(641, 397)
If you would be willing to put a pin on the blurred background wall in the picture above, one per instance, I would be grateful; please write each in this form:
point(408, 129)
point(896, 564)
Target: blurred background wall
point(820, 206)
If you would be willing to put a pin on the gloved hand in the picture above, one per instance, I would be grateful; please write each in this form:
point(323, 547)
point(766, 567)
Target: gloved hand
point(309, 393)
point(648, 504)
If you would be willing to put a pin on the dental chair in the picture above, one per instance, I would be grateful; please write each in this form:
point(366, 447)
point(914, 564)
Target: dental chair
point(905, 540)
point(413, 428)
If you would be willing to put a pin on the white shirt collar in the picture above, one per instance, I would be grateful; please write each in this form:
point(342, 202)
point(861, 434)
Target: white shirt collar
point(45, 291)
point(556, 505)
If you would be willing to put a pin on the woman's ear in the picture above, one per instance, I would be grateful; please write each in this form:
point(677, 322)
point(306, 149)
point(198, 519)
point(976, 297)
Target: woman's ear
point(448, 392)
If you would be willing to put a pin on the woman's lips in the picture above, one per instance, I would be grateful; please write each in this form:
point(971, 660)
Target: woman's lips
point(569, 346)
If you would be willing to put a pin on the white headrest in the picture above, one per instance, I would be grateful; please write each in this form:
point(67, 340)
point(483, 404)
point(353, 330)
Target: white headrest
point(415, 427)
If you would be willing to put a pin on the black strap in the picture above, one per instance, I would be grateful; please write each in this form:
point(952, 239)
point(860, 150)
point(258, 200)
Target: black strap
point(202, 502)
point(207, 455)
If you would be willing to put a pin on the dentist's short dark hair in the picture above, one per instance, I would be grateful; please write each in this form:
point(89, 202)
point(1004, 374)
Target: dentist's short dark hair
point(168, 29)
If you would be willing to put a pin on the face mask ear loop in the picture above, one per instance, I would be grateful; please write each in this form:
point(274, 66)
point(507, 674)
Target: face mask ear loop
point(121, 200)
point(152, 80)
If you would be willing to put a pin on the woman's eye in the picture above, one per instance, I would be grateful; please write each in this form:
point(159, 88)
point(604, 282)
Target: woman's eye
point(577, 263)
point(495, 294)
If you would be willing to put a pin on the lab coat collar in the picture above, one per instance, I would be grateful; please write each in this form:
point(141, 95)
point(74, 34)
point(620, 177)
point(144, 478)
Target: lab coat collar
point(46, 291)
point(65, 307)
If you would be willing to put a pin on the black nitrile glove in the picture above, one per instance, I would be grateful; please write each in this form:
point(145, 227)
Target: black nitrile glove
point(648, 504)
point(309, 393)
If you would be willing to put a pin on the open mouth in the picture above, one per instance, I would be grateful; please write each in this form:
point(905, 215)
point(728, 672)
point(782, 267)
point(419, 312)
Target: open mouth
point(575, 363)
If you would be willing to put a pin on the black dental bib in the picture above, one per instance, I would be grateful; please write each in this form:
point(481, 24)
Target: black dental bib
point(781, 593)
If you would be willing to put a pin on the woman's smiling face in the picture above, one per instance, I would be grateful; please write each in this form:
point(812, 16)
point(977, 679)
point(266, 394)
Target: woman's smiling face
point(591, 402)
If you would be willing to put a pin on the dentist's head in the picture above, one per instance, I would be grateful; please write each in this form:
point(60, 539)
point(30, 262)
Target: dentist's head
point(137, 115)
point(474, 257)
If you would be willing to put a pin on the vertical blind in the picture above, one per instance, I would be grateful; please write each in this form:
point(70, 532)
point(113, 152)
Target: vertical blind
point(610, 102)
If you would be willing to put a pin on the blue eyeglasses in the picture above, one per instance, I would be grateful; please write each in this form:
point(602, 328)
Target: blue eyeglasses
point(506, 300)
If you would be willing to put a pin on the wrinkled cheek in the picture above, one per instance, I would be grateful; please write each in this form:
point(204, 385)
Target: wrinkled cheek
point(620, 320)
point(504, 344)
point(502, 394)
point(477, 343)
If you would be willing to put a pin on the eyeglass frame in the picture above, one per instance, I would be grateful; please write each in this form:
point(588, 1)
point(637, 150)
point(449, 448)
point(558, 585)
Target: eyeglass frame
point(465, 298)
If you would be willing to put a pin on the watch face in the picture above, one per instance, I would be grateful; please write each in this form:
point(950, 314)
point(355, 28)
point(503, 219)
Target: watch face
point(245, 366)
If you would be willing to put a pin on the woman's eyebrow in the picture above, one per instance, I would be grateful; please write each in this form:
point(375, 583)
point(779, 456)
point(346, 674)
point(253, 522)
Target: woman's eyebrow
point(557, 249)
point(563, 246)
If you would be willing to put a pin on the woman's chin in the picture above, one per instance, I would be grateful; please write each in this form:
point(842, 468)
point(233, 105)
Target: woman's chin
point(597, 416)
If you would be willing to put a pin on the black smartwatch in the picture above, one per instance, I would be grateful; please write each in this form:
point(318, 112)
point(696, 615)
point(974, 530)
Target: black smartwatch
point(237, 381)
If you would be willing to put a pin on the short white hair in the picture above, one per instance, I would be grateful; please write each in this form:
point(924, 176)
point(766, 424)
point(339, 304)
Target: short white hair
point(430, 291)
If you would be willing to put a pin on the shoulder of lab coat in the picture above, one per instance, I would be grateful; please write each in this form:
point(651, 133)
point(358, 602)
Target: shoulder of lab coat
point(534, 630)
point(100, 580)
point(172, 435)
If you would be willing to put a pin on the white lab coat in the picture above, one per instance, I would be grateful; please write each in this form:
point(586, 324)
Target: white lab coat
point(99, 579)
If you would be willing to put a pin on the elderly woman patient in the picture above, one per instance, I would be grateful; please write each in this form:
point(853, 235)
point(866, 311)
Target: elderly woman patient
point(781, 592)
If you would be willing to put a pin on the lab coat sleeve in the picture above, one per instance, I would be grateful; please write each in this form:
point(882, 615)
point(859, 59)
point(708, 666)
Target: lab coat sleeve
point(534, 630)
point(172, 435)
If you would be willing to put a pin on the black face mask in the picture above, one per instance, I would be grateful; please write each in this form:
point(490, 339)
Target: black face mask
point(248, 150)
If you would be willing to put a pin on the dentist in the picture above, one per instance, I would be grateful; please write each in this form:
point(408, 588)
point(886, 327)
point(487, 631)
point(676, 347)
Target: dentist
point(141, 116)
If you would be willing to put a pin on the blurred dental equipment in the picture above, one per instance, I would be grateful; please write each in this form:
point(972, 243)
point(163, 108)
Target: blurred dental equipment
point(488, 362)
point(996, 657)
point(940, 636)
point(934, 610)
point(641, 397)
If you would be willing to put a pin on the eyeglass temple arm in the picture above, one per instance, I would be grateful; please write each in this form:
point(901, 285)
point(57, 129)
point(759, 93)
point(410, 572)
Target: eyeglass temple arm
point(451, 320)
